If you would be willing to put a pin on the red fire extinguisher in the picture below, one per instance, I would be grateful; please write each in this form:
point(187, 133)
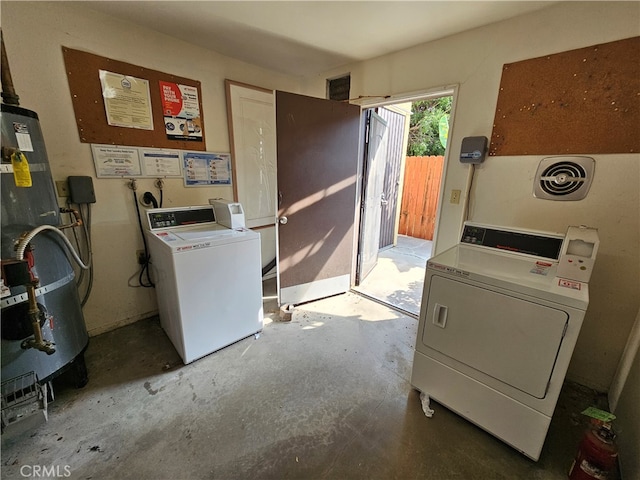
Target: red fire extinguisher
point(597, 453)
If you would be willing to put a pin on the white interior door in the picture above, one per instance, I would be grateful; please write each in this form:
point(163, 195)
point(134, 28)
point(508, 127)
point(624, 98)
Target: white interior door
point(251, 117)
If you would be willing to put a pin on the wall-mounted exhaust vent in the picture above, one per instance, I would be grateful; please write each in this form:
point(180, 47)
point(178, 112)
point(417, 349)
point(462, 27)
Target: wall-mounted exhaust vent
point(564, 178)
point(338, 88)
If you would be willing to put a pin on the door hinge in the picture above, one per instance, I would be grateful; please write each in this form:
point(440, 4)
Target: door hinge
point(367, 127)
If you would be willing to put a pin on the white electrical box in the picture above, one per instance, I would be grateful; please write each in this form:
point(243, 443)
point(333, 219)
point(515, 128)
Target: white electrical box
point(229, 214)
point(578, 253)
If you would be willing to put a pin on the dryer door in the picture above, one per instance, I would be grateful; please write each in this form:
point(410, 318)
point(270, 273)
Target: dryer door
point(511, 339)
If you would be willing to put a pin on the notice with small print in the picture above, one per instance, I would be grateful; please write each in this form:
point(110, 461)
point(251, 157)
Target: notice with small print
point(127, 100)
point(23, 137)
point(563, 282)
point(203, 169)
point(541, 268)
point(181, 111)
point(113, 161)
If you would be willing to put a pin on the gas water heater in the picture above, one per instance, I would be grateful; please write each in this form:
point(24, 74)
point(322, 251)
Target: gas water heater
point(24, 208)
point(42, 326)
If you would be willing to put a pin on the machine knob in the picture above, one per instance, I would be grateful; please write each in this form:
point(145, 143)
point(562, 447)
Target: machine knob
point(283, 220)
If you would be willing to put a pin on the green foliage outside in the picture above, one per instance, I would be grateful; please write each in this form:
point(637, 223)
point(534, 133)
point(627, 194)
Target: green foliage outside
point(429, 127)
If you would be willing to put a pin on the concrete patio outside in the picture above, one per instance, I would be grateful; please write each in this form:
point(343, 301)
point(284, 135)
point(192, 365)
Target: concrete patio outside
point(398, 277)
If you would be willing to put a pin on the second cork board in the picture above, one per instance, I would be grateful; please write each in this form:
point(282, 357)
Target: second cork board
point(584, 101)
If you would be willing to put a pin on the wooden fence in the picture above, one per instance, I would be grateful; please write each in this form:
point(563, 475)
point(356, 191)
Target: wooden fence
point(422, 177)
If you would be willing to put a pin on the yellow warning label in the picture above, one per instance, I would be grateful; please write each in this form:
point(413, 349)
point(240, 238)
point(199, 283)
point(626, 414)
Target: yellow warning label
point(21, 172)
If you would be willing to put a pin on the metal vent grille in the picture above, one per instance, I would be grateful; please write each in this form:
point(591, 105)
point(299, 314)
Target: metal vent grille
point(564, 178)
point(338, 88)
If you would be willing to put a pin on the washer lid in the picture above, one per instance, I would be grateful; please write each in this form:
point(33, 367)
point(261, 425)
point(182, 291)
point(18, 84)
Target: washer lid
point(191, 238)
point(211, 231)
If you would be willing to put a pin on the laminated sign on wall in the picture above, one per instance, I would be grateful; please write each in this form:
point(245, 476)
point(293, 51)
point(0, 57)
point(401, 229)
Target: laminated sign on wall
point(203, 169)
point(181, 111)
point(127, 101)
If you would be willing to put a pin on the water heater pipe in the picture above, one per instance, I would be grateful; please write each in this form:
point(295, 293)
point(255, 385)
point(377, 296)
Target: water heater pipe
point(8, 92)
point(76, 215)
point(22, 245)
point(38, 342)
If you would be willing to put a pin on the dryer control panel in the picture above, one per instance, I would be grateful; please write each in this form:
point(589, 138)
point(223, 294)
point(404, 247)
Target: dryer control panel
point(512, 240)
point(579, 253)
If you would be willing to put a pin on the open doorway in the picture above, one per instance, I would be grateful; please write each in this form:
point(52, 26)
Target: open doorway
point(406, 145)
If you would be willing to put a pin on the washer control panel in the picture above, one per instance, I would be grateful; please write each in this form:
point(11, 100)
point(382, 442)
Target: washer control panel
point(179, 217)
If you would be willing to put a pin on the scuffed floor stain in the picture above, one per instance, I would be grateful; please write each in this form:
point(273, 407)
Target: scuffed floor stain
point(151, 391)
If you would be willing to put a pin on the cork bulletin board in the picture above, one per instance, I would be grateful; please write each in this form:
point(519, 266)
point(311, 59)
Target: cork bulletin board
point(584, 101)
point(83, 73)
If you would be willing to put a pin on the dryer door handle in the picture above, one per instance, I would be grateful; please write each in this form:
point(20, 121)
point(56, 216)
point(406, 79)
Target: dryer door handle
point(440, 315)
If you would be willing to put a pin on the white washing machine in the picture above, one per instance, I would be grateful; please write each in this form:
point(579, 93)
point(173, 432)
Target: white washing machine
point(208, 279)
point(497, 330)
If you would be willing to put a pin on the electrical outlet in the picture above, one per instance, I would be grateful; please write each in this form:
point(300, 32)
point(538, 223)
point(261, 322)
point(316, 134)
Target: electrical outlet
point(62, 187)
point(141, 257)
point(455, 196)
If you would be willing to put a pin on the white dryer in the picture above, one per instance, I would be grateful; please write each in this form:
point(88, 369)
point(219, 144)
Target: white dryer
point(208, 279)
point(497, 330)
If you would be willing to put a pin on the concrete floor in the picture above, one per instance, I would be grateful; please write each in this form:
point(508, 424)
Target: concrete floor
point(324, 396)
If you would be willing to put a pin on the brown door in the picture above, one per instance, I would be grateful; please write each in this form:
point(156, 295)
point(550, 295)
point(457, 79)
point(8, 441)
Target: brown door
point(317, 152)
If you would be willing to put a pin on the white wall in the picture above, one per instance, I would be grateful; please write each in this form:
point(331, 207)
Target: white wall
point(502, 186)
point(34, 33)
